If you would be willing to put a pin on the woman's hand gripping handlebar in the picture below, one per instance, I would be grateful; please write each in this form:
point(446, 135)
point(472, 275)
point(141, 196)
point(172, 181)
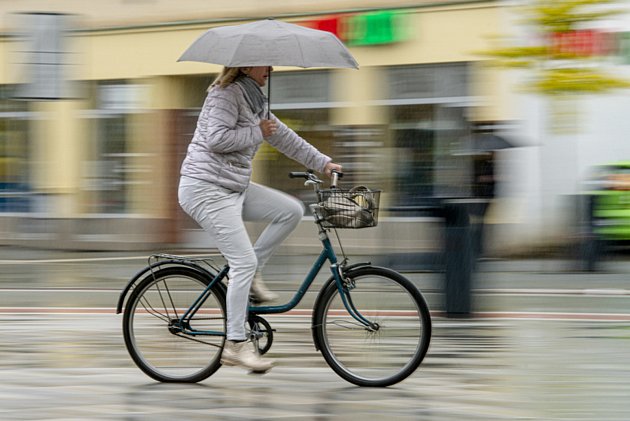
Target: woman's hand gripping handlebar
point(334, 178)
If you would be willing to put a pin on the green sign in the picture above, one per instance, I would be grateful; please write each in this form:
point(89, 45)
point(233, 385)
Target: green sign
point(383, 27)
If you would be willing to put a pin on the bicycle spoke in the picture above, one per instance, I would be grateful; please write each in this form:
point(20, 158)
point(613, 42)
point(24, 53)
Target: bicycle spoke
point(191, 338)
point(157, 338)
point(395, 342)
point(348, 324)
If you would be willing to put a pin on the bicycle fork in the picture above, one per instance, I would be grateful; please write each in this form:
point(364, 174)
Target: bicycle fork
point(344, 286)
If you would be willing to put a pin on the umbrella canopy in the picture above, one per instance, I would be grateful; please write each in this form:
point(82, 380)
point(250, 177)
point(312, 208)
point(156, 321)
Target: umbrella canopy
point(486, 142)
point(481, 143)
point(269, 43)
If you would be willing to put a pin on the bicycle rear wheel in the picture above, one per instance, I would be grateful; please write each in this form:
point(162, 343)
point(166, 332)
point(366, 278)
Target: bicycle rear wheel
point(158, 342)
point(398, 339)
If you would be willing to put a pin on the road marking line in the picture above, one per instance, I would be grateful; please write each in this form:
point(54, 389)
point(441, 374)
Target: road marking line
point(552, 315)
point(60, 289)
point(554, 291)
point(93, 259)
point(538, 292)
point(56, 310)
point(514, 315)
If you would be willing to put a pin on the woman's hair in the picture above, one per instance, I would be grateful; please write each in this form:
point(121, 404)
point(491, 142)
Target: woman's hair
point(227, 76)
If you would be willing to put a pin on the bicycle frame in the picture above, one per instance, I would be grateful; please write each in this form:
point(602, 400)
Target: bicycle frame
point(327, 254)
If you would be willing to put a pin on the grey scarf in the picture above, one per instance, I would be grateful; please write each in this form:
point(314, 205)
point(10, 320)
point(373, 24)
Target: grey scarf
point(253, 94)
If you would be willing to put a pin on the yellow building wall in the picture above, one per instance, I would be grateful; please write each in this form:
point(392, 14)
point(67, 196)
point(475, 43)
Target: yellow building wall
point(447, 34)
point(58, 153)
point(149, 55)
point(436, 36)
point(356, 89)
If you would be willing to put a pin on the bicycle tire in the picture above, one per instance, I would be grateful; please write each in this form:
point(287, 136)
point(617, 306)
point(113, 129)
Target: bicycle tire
point(379, 357)
point(150, 321)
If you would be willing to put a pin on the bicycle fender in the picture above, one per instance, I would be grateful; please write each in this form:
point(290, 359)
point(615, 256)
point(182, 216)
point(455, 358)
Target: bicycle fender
point(354, 266)
point(149, 269)
point(330, 283)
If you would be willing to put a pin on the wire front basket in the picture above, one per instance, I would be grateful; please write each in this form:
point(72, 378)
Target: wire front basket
point(354, 208)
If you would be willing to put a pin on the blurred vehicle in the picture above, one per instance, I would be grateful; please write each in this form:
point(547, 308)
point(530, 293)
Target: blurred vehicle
point(610, 210)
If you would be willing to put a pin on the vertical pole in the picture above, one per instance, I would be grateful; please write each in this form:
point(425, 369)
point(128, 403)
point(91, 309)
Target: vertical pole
point(458, 260)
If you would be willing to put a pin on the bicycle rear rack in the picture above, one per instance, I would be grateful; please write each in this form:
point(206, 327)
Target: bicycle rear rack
point(205, 261)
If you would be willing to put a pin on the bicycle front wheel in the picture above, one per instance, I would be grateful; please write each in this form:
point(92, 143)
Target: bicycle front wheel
point(163, 344)
point(394, 343)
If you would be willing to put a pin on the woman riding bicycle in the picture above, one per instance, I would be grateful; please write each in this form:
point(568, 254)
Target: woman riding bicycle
point(216, 191)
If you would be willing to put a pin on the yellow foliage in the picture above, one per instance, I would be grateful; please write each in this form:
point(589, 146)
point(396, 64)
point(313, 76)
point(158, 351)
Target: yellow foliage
point(559, 72)
point(576, 80)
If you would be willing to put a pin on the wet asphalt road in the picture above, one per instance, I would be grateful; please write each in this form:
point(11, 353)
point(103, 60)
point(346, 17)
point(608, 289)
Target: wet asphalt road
point(74, 367)
point(545, 344)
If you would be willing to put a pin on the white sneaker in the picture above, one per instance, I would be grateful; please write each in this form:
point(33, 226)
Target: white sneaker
point(259, 292)
point(242, 354)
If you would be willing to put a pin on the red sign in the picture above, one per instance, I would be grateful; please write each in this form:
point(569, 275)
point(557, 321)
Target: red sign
point(329, 24)
point(370, 28)
point(582, 43)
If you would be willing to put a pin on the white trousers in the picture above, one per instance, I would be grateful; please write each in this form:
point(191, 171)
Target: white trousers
point(221, 212)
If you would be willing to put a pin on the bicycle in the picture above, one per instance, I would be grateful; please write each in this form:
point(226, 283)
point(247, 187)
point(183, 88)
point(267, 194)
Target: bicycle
point(371, 324)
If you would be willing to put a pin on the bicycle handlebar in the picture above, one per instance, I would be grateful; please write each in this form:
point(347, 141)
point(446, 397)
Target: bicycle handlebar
point(302, 174)
point(310, 175)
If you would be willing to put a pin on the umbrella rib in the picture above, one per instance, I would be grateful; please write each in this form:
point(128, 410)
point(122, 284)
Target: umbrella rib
point(297, 39)
point(235, 52)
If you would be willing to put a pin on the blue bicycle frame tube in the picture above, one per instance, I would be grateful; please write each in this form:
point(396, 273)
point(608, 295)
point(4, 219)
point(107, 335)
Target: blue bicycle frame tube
point(197, 305)
point(327, 254)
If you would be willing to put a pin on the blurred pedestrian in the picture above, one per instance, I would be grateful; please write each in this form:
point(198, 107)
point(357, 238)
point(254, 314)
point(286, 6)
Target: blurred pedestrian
point(216, 191)
point(485, 181)
point(484, 191)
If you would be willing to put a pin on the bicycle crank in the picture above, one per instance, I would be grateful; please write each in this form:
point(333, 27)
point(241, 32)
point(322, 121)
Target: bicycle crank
point(260, 333)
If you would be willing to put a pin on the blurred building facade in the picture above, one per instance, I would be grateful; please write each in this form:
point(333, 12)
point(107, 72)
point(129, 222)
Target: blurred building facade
point(96, 112)
point(564, 137)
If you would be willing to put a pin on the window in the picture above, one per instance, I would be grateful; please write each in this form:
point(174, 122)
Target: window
point(427, 106)
point(15, 190)
point(107, 174)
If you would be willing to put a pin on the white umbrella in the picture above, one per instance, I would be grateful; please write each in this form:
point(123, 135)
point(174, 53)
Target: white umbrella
point(269, 43)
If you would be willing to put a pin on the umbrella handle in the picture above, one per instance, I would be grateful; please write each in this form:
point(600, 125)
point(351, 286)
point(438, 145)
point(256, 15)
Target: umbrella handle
point(269, 96)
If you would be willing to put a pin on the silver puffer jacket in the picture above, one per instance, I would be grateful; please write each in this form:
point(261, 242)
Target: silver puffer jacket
point(228, 136)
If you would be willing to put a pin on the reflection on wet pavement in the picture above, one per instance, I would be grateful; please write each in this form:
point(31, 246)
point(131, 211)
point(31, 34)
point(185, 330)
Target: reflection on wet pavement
point(75, 366)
